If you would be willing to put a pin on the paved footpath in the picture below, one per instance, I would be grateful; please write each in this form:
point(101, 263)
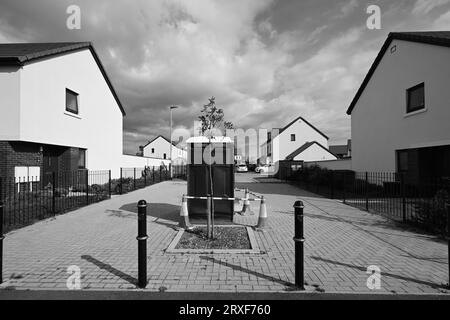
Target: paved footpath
point(341, 242)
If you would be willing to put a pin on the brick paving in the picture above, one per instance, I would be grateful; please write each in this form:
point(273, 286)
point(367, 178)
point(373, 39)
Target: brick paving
point(341, 242)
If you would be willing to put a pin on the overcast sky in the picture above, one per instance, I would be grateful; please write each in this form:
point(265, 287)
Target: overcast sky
point(265, 61)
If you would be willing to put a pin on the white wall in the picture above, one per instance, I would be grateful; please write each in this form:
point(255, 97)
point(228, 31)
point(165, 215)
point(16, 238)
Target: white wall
point(283, 146)
point(345, 164)
point(162, 146)
point(9, 103)
point(128, 161)
point(98, 127)
point(379, 124)
point(315, 153)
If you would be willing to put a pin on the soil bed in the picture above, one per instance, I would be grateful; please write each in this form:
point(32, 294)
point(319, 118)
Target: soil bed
point(224, 238)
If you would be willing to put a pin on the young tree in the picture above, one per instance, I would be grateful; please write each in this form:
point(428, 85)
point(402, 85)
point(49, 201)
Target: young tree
point(212, 121)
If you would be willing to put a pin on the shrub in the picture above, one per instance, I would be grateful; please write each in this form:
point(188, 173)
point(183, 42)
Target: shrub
point(433, 214)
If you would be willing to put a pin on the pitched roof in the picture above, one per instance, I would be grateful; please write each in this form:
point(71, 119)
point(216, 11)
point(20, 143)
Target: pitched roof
point(438, 38)
point(160, 136)
point(339, 149)
point(305, 147)
point(19, 54)
point(309, 124)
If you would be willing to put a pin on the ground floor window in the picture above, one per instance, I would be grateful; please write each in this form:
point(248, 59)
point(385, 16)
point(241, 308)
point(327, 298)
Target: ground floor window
point(82, 159)
point(402, 161)
point(424, 164)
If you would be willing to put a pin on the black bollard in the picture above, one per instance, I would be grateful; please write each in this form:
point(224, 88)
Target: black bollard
point(299, 246)
point(142, 244)
point(448, 242)
point(1, 241)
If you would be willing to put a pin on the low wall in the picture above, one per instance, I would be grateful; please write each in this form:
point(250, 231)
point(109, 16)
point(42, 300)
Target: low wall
point(345, 164)
point(129, 161)
point(141, 162)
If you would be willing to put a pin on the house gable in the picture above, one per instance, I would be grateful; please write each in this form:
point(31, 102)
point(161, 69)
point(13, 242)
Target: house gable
point(381, 124)
point(160, 144)
point(437, 38)
point(21, 54)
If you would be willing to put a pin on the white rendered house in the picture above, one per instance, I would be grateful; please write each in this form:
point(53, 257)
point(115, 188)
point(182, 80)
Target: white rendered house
point(160, 148)
point(299, 140)
point(59, 110)
point(400, 115)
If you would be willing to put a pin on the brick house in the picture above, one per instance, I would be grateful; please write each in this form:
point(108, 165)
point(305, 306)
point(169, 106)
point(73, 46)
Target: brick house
point(59, 110)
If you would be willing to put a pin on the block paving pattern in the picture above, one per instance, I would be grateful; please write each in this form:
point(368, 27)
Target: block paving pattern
point(341, 242)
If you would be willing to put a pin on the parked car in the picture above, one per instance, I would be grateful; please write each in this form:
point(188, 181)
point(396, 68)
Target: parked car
point(265, 168)
point(251, 167)
point(241, 168)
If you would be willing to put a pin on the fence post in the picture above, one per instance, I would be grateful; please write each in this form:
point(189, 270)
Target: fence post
point(367, 191)
point(160, 173)
point(1, 237)
point(109, 184)
point(54, 193)
point(448, 242)
point(145, 176)
point(121, 182)
point(87, 187)
point(343, 186)
point(134, 179)
point(153, 175)
point(299, 246)
point(402, 194)
point(142, 244)
point(332, 185)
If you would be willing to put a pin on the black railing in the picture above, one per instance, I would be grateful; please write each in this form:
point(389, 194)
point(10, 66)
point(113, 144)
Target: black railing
point(132, 179)
point(394, 195)
point(33, 198)
point(179, 172)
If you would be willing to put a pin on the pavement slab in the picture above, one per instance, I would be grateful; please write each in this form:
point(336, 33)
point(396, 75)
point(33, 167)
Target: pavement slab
point(341, 243)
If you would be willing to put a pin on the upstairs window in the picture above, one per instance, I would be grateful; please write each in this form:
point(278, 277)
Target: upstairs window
point(416, 98)
point(165, 156)
point(292, 137)
point(153, 150)
point(71, 101)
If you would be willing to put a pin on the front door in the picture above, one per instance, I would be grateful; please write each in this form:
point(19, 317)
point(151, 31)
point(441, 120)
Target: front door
point(50, 163)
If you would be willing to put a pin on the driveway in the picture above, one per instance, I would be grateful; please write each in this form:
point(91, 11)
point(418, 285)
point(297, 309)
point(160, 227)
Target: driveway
point(341, 243)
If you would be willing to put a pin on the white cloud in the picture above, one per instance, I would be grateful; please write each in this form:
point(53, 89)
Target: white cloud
point(443, 22)
point(348, 8)
point(425, 6)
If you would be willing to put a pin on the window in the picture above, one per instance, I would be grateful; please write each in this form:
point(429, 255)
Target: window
point(165, 156)
point(153, 150)
point(292, 137)
point(81, 159)
point(402, 161)
point(71, 101)
point(416, 98)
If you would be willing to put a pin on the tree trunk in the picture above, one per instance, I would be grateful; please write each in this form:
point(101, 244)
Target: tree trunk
point(211, 217)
